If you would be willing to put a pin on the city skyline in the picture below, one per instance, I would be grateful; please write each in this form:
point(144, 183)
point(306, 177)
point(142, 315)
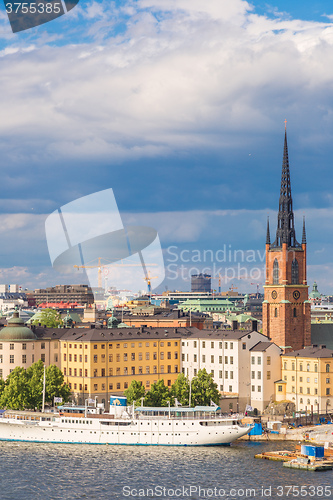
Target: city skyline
point(179, 108)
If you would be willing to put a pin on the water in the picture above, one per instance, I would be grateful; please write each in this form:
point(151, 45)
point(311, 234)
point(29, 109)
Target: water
point(51, 471)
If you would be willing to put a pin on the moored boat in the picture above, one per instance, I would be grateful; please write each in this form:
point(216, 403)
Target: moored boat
point(124, 425)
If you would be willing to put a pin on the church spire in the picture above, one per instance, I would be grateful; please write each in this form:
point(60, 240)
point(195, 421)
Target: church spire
point(268, 236)
point(304, 232)
point(285, 232)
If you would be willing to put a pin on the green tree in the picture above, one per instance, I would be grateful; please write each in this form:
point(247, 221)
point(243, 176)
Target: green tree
point(55, 385)
point(135, 392)
point(50, 318)
point(181, 390)
point(204, 389)
point(16, 392)
point(159, 395)
point(35, 374)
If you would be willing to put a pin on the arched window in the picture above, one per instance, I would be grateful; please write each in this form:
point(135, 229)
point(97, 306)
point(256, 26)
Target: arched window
point(276, 312)
point(276, 272)
point(295, 314)
point(294, 272)
point(327, 368)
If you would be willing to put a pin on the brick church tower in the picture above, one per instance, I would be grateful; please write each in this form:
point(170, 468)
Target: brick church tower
point(286, 309)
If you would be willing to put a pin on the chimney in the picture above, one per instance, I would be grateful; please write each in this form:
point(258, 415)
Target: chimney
point(235, 325)
point(254, 325)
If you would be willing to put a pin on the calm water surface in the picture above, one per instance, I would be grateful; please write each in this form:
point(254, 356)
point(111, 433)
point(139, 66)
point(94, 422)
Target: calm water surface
point(51, 471)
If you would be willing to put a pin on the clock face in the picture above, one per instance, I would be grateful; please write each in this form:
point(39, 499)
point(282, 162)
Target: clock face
point(296, 294)
point(274, 294)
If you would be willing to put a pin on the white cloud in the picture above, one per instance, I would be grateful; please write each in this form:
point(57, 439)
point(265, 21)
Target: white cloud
point(183, 80)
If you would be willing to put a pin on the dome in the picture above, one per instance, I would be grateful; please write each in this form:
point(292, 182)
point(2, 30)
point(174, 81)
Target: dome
point(16, 330)
point(315, 294)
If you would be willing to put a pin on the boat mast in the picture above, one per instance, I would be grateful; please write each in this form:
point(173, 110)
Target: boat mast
point(44, 381)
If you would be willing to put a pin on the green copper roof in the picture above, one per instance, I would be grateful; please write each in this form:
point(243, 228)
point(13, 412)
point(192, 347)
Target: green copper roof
point(16, 330)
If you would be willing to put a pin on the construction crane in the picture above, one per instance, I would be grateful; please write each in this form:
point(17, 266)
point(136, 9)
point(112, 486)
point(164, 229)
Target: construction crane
point(219, 277)
point(99, 265)
point(258, 284)
point(148, 278)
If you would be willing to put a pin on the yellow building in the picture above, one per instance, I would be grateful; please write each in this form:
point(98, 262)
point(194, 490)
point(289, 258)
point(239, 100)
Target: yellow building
point(101, 362)
point(308, 378)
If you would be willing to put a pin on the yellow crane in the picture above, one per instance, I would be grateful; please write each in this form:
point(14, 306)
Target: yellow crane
point(148, 278)
point(99, 265)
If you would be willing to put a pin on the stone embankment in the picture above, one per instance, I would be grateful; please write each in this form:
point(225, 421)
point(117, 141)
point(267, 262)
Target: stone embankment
point(317, 434)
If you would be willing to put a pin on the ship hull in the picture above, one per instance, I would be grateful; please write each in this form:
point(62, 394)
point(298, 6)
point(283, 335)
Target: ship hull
point(119, 432)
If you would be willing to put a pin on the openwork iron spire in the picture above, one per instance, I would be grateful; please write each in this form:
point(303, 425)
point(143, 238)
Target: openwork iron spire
point(268, 236)
point(304, 232)
point(285, 232)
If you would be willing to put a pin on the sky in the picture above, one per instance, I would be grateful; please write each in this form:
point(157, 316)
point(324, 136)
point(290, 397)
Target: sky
point(179, 107)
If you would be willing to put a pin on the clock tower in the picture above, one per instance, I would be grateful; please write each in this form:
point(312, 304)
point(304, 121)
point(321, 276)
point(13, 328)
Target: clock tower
point(286, 308)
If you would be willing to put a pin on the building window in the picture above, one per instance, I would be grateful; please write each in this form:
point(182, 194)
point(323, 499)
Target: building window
point(244, 345)
point(110, 387)
point(140, 356)
point(220, 345)
point(276, 272)
point(0, 346)
point(328, 381)
point(253, 375)
point(95, 346)
point(169, 355)
point(147, 355)
point(140, 370)
point(42, 345)
point(231, 360)
point(316, 368)
point(70, 371)
point(75, 357)
point(231, 345)
point(133, 370)
point(276, 312)
point(212, 345)
point(70, 357)
point(226, 345)
point(64, 371)
point(253, 360)
point(161, 355)
point(42, 357)
point(1, 358)
point(75, 372)
point(301, 367)
point(294, 272)
point(279, 388)
point(147, 369)
point(95, 358)
point(295, 312)
point(80, 372)
point(195, 372)
point(86, 372)
point(328, 391)
point(268, 360)
point(293, 366)
point(162, 368)
point(80, 358)
point(161, 344)
point(327, 368)
point(11, 347)
point(95, 387)
point(226, 360)
point(308, 367)
point(268, 375)
point(253, 388)
point(24, 358)
point(308, 390)
point(301, 390)
point(259, 388)
point(212, 359)
point(154, 369)
point(24, 346)
point(118, 358)
point(231, 375)
point(133, 356)
point(204, 358)
point(65, 357)
point(203, 344)
point(230, 388)
point(285, 365)
point(259, 375)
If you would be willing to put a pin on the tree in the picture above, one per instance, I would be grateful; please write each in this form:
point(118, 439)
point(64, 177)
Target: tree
point(24, 388)
point(55, 385)
point(50, 318)
point(181, 390)
point(204, 389)
point(135, 392)
point(159, 395)
point(16, 392)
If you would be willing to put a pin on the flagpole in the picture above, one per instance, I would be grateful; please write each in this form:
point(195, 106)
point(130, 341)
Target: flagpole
point(44, 380)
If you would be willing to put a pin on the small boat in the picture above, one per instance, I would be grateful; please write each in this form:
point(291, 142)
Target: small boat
point(123, 425)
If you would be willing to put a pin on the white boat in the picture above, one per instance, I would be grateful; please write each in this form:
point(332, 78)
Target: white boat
point(198, 426)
